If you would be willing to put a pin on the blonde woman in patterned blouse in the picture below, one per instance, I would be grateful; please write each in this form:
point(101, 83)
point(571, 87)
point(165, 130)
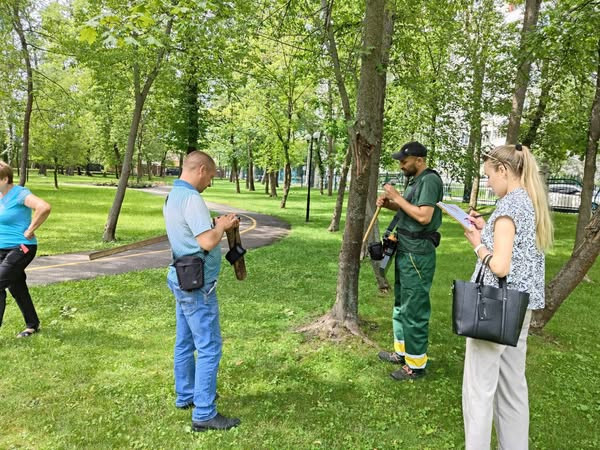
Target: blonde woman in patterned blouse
point(516, 236)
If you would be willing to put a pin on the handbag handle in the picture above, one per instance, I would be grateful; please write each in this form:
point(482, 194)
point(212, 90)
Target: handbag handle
point(485, 265)
point(482, 269)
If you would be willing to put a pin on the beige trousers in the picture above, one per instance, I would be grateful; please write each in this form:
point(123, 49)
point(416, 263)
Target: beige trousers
point(494, 386)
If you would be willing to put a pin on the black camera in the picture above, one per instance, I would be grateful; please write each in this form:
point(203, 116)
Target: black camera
point(376, 251)
point(379, 250)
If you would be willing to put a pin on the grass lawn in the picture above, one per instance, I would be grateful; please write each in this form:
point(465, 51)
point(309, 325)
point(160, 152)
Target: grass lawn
point(80, 210)
point(100, 373)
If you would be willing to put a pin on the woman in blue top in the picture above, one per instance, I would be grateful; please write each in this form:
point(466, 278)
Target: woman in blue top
point(18, 244)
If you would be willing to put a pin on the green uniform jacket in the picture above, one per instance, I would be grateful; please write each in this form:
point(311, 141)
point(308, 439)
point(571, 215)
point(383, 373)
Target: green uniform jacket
point(428, 190)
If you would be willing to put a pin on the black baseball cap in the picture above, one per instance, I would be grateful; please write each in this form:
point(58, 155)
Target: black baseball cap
point(410, 149)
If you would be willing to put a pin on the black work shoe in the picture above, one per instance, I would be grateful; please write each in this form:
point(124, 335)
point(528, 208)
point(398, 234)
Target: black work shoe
point(406, 373)
point(219, 422)
point(392, 357)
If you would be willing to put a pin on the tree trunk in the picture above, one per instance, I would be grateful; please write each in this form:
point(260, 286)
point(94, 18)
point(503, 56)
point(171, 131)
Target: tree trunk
point(532, 8)
point(589, 171)
point(55, 172)
point(475, 132)
point(118, 160)
point(234, 173)
point(273, 182)
point(287, 182)
point(250, 170)
point(330, 142)
point(382, 283)
point(149, 168)
point(139, 169)
point(266, 178)
point(571, 274)
point(348, 115)
point(140, 99)
point(372, 83)
point(339, 203)
point(192, 115)
point(320, 165)
point(16, 19)
point(540, 110)
point(287, 173)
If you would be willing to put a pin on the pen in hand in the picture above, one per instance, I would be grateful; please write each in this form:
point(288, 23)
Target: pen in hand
point(481, 215)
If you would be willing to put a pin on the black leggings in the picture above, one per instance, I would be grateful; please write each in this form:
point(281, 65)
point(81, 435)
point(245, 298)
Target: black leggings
point(13, 262)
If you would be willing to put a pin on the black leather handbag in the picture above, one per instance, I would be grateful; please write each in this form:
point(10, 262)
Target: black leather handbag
point(494, 314)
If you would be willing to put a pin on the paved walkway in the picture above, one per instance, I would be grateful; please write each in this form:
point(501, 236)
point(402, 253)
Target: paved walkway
point(257, 230)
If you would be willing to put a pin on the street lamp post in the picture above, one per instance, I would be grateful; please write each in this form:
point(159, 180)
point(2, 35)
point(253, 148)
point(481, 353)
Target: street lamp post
point(315, 136)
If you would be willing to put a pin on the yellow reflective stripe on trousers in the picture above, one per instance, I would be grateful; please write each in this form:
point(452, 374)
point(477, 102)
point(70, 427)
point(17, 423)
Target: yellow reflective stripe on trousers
point(399, 347)
point(416, 361)
point(414, 265)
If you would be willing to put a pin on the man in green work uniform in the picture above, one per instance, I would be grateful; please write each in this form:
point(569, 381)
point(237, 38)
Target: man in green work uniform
point(416, 221)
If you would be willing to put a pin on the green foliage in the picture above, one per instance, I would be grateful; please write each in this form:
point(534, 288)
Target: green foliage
point(99, 375)
point(567, 43)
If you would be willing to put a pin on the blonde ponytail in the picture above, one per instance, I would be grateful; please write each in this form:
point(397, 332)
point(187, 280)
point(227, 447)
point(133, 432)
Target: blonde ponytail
point(535, 186)
point(520, 160)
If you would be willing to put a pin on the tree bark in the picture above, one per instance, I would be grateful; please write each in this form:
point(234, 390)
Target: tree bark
point(348, 115)
point(320, 165)
point(273, 175)
point(475, 132)
point(55, 172)
point(371, 85)
point(234, 171)
point(140, 98)
point(192, 114)
point(118, 164)
point(149, 169)
point(287, 172)
point(382, 283)
point(140, 141)
point(532, 8)
point(540, 110)
point(16, 19)
point(571, 274)
point(339, 202)
point(163, 161)
point(250, 170)
point(589, 171)
point(330, 142)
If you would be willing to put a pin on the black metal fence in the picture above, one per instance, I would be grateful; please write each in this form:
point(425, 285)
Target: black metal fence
point(564, 194)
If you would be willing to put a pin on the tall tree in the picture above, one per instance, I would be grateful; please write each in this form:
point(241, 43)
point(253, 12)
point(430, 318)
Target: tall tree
point(589, 173)
point(344, 314)
point(142, 35)
point(141, 86)
point(526, 57)
point(17, 11)
point(346, 108)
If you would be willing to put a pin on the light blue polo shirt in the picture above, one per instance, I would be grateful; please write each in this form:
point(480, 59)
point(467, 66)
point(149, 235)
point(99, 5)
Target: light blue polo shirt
point(187, 216)
point(15, 218)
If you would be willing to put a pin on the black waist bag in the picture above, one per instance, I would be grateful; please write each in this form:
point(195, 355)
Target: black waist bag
point(190, 272)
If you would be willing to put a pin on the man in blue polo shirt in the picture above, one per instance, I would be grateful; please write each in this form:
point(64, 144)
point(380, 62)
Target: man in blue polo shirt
point(191, 232)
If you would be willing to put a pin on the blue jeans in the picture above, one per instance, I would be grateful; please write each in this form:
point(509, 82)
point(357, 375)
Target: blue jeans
point(197, 314)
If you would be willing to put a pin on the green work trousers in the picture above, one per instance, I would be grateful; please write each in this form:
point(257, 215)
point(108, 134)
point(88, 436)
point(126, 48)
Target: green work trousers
point(412, 306)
